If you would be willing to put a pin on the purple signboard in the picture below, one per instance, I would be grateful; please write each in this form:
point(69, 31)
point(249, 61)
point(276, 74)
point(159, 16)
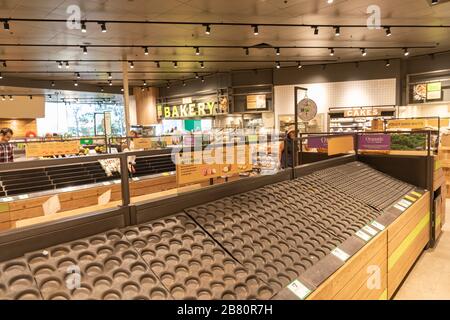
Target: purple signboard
point(317, 143)
point(374, 142)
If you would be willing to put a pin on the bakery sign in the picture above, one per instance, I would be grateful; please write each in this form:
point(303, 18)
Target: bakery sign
point(191, 110)
point(361, 112)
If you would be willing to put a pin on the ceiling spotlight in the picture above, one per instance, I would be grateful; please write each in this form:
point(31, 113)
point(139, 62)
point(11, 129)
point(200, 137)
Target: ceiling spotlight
point(83, 27)
point(131, 64)
point(6, 25)
point(388, 63)
point(110, 83)
point(406, 52)
point(316, 30)
point(278, 65)
point(197, 51)
point(388, 31)
point(146, 51)
point(363, 52)
point(60, 65)
point(3, 98)
point(103, 26)
point(1, 76)
point(196, 75)
point(255, 30)
point(109, 75)
point(84, 50)
point(122, 89)
point(331, 52)
point(175, 64)
point(434, 2)
point(184, 83)
point(168, 85)
point(67, 65)
point(203, 79)
point(145, 83)
point(202, 65)
point(208, 29)
point(53, 83)
point(4, 64)
point(101, 89)
point(158, 65)
point(247, 51)
point(299, 65)
point(78, 75)
point(75, 83)
point(278, 52)
point(11, 98)
point(337, 31)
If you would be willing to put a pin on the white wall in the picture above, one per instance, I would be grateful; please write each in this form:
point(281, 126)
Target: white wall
point(365, 93)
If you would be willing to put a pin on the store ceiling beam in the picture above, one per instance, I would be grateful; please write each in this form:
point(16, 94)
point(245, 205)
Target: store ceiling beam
point(223, 23)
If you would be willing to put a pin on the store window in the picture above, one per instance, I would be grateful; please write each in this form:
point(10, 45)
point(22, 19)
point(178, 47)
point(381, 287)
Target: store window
point(78, 119)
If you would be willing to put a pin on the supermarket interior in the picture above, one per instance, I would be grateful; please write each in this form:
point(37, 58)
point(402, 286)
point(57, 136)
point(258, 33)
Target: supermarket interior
point(224, 150)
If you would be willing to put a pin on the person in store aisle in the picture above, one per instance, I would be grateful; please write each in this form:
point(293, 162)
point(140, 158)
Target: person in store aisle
point(6, 148)
point(287, 149)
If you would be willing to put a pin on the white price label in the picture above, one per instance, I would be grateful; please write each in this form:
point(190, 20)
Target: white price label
point(299, 289)
point(370, 231)
point(364, 236)
point(8, 199)
point(23, 196)
point(116, 181)
point(106, 183)
point(399, 208)
point(136, 179)
point(405, 203)
point(341, 255)
point(377, 225)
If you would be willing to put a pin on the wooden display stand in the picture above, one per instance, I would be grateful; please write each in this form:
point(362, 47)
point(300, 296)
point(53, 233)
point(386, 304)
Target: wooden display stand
point(11, 212)
point(444, 163)
point(393, 252)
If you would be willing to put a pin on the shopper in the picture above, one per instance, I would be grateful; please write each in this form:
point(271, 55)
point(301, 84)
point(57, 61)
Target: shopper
point(6, 148)
point(287, 150)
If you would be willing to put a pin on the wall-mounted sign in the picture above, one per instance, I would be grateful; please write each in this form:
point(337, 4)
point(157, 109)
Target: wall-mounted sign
point(317, 143)
point(187, 100)
point(46, 149)
point(256, 102)
point(192, 110)
point(307, 109)
point(420, 92)
point(362, 112)
point(434, 91)
point(374, 142)
point(406, 124)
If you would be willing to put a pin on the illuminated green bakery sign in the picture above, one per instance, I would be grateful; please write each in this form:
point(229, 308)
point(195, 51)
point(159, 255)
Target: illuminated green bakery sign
point(190, 110)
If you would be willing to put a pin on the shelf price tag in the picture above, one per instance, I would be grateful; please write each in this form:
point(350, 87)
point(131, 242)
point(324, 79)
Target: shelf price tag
point(364, 236)
point(23, 196)
point(399, 208)
point(417, 194)
point(405, 203)
point(378, 225)
point(8, 199)
point(370, 230)
point(106, 183)
point(299, 289)
point(341, 255)
point(410, 198)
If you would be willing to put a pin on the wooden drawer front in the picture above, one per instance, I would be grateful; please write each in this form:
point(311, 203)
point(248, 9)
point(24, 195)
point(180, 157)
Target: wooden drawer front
point(407, 237)
point(350, 282)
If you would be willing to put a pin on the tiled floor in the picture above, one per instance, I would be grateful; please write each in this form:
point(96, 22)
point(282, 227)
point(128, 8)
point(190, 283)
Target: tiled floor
point(430, 278)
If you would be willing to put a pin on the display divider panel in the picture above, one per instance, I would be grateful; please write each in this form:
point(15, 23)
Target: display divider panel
point(15, 243)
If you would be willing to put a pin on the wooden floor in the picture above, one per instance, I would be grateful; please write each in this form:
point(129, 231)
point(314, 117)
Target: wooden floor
point(430, 278)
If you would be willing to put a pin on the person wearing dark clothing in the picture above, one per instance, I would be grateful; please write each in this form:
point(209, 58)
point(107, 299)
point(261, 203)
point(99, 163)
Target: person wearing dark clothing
point(6, 148)
point(287, 150)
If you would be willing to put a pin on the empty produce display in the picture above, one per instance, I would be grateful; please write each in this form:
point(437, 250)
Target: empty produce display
point(250, 245)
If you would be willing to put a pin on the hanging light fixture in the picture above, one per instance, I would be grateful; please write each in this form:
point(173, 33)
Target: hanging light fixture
point(53, 83)
point(75, 83)
point(388, 63)
point(299, 65)
point(83, 27)
point(388, 31)
point(4, 64)
point(278, 65)
point(131, 64)
point(363, 52)
point(175, 64)
point(278, 52)
point(202, 65)
point(6, 24)
point(67, 65)
point(110, 83)
point(1, 76)
point(203, 79)
point(60, 65)
point(332, 52)
point(145, 83)
point(84, 50)
point(78, 75)
point(196, 75)
point(406, 52)
point(337, 31)
point(109, 75)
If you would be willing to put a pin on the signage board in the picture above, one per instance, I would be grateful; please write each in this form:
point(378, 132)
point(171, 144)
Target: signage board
point(317, 143)
point(374, 142)
point(256, 102)
point(434, 91)
point(340, 145)
point(47, 149)
point(142, 143)
point(362, 112)
point(191, 110)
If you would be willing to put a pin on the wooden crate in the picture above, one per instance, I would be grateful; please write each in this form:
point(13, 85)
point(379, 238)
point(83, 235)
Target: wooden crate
point(350, 282)
point(407, 237)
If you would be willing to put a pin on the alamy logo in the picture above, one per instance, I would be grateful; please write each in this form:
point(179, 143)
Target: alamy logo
point(374, 19)
point(374, 280)
point(74, 19)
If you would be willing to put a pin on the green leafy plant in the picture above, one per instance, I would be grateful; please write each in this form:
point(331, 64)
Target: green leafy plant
point(408, 141)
